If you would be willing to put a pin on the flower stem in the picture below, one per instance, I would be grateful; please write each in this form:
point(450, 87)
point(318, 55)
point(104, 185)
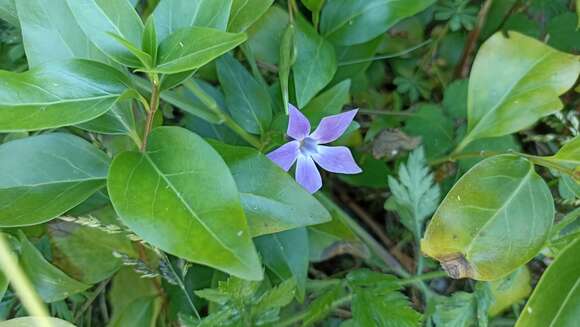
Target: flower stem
point(21, 284)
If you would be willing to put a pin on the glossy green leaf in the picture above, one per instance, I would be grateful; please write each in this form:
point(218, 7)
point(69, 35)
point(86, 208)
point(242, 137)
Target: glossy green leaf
point(173, 15)
point(117, 121)
point(514, 82)
point(313, 5)
point(286, 254)
point(272, 200)
point(265, 35)
point(348, 22)
point(145, 60)
point(181, 197)
point(569, 156)
point(556, 299)
point(35, 321)
point(50, 283)
point(48, 39)
point(245, 12)
point(564, 33)
point(355, 59)
point(496, 218)
point(500, 144)
point(149, 43)
point(43, 176)
point(59, 94)
point(87, 253)
point(99, 18)
point(463, 309)
point(247, 100)
point(315, 62)
point(190, 48)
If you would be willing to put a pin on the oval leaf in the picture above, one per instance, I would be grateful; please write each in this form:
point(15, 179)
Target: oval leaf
point(59, 94)
point(514, 82)
point(191, 48)
point(272, 200)
point(50, 282)
point(181, 197)
point(43, 176)
point(348, 22)
point(246, 12)
point(556, 299)
point(496, 218)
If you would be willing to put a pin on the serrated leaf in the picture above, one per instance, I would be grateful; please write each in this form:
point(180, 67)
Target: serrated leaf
point(180, 196)
point(556, 299)
point(190, 48)
point(60, 94)
point(514, 82)
point(415, 194)
point(271, 199)
point(376, 301)
point(496, 218)
point(464, 309)
point(51, 283)
point(43, 176)
point(322, 306)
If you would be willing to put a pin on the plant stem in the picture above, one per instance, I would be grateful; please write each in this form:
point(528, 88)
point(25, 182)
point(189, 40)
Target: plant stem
point(422, 277)
point(21, 284)
point(91, 299)
point(299, 317)
point(153, 106)
point(465, 155)
point(210, 103)
point(389, 56)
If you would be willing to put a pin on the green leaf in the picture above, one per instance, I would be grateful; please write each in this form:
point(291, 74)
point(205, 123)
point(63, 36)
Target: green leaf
point(149, 43)
point(376, 301)
point(117, 121)
point(493, 144)
point(43, 176)
point(265, 35)
point(87, 253)
point(514, 82)
point(145, 60)
point(287, 58)
point(563, 32)
point(60, 94)
point(35, 321)
point(496, 218)
point(355, 59)
point(49, 282)
point(322, 306)
point(353, 22)
point(569, 155)
point(315, 62)
point(313, 5)
point(271, 199)
point(455, 99)
point(8, 12)
point(3, 285)
point(180, 196)
point(141, 312)
point(173, 15)
point(246, 99)
point(246, 12)
point(510, 290)
point(286, 254)
point(556, 299)
point(435, 129)
point(416, 195)
point(464, 309)
point(47, 39)
point(122, 301)
point(328, 103)
point(99, 18)
point(190, 48)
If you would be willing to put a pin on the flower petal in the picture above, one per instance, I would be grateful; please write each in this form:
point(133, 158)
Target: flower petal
point(336, 159)
point(298, 124)
point(307, 174)
point(285, 155)
point(332, 127)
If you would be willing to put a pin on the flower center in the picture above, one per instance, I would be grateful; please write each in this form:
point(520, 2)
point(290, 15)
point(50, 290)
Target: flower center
point(308, 146)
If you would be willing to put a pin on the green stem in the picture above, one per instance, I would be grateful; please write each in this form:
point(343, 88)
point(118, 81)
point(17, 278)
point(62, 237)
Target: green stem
point(153, 106)
point(465, 155)
point(389, 56)
point(91, 299)
point(422, 277)
point(210, 103)
point(299, 317)
point(21, 284)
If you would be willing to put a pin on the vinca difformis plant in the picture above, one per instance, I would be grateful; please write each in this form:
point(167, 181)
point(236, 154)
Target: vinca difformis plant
point(289, 163)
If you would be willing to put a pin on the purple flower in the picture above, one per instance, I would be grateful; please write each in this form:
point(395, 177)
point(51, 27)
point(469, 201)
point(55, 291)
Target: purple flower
point(306, 148)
